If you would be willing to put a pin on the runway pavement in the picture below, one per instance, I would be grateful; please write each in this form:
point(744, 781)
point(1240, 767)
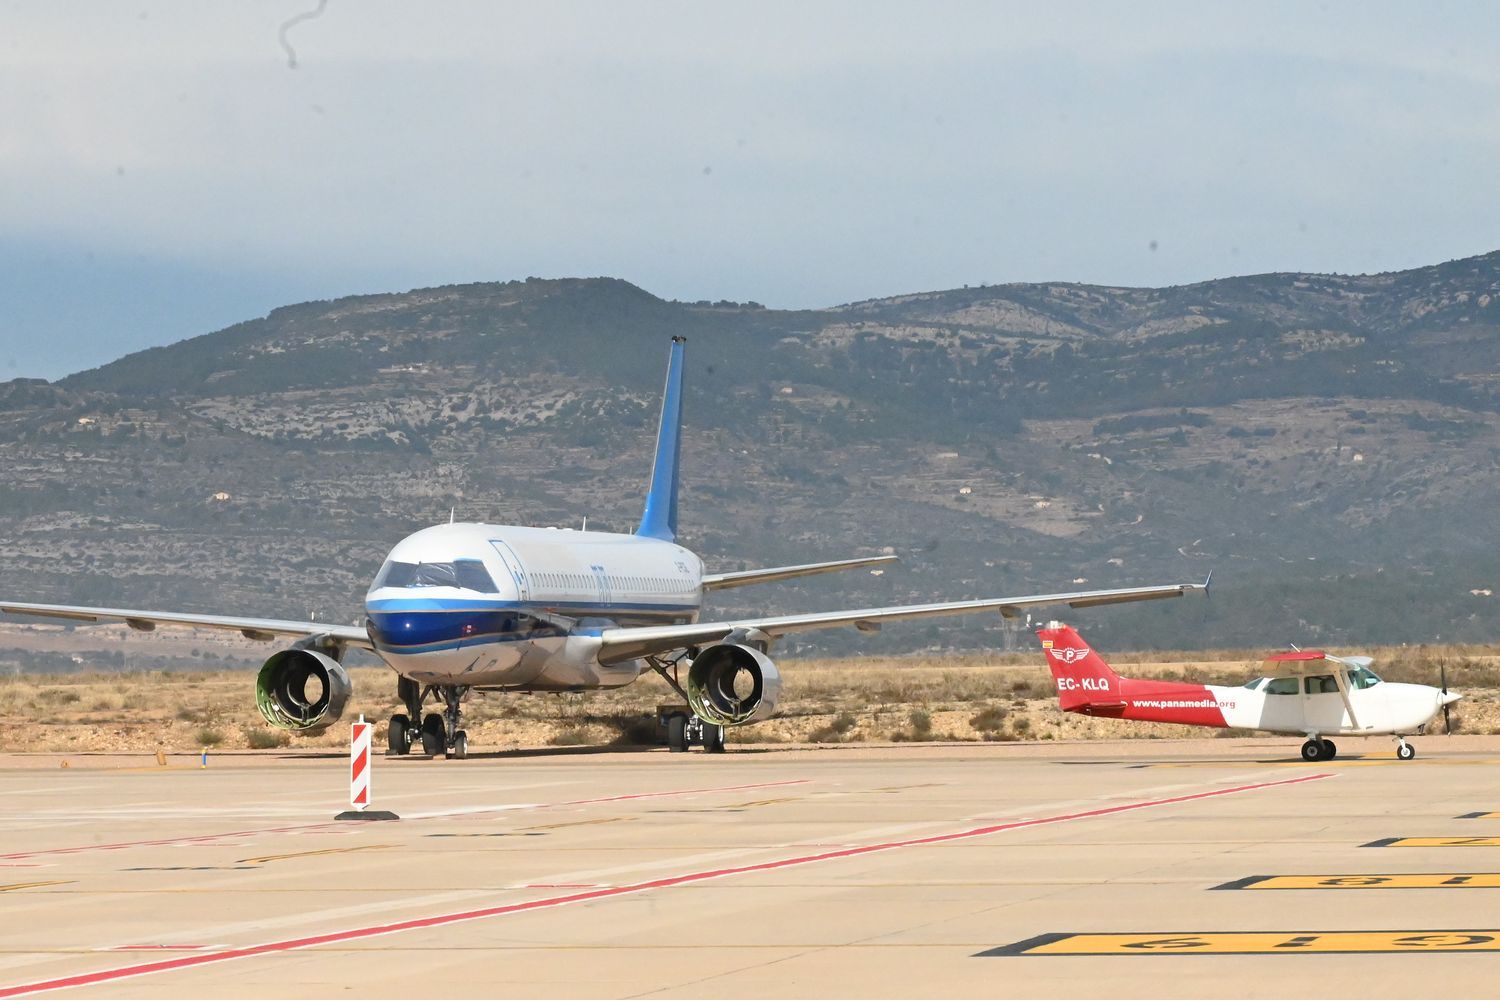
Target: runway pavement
point(1130, 869)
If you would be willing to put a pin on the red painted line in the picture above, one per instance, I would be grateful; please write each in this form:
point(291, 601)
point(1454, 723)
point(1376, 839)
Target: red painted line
point(441, 920)
point(208, 838)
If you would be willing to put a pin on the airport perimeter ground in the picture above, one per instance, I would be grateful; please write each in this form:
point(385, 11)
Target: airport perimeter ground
point(766, 872)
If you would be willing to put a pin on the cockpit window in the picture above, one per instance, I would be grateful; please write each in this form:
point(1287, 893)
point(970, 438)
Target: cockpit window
point(465, 574)
point(1283, 685)
point(1363, 677)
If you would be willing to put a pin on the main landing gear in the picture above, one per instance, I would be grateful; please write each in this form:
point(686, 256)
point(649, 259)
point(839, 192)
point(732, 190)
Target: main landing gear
point(683, 729)
point(1318, 749)
point(439, 733)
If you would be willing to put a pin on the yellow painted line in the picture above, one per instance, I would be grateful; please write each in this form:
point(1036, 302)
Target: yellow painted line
point(34, 885)
point(1255, 943)
point(311, 854)
point(1381, 761)
point(1428, 880)
point(581, 822)
point(1436, 842)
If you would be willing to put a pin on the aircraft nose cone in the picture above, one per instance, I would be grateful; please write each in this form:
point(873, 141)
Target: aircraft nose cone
point(1449, 697)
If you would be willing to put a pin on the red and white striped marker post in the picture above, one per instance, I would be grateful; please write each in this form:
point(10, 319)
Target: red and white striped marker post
point(359, 774)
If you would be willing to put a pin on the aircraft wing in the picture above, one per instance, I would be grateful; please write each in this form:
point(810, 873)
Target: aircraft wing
point(724, 581)
point(263, 629)
point(618, 644)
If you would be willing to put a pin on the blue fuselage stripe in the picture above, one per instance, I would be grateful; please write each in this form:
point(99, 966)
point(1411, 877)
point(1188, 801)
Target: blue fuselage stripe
point(417, 626)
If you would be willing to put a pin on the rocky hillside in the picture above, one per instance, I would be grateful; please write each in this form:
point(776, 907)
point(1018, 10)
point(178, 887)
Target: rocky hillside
point(1328, 444)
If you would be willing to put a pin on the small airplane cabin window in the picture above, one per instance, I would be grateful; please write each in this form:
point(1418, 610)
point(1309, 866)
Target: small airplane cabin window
point(1254, 682)
point(1283, 685)
point(1320, 684)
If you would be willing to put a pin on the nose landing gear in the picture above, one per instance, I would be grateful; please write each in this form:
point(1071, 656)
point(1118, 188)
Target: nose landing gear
point(439, 732)
point(1404, 750)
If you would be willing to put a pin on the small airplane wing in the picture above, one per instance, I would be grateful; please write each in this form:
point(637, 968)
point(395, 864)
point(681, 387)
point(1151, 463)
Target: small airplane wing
point(724, 581)
point(263, 629)
point(618, 644)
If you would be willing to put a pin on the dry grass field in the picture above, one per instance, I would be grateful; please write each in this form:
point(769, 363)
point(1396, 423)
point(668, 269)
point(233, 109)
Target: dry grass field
point(919, 698)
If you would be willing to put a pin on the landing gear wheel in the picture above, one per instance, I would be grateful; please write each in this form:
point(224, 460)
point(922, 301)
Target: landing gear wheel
point(1329, 750)
point(398, 736)
point(434, 736)
point(1405, 751)
point(460, 746)
point(713, 738)
point(677, 739)
point(1312, 750)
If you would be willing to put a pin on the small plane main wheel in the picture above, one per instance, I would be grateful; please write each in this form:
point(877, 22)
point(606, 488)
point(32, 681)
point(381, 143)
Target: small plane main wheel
point(434, 735)
point(677, 739)
point(1329, 750)
point(1405, 751)
point(460, 746)
point(398, 736)
point(1312, 750)
point(713, 738)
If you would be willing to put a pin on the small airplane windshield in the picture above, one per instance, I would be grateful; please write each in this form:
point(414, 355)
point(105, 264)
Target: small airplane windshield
point(465, 574)
point(1363, 677)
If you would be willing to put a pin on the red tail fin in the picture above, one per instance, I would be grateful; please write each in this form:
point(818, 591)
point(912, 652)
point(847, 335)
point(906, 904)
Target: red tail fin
point(1082, 675)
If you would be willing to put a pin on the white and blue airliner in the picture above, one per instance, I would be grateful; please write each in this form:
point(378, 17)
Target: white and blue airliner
point(458, 608)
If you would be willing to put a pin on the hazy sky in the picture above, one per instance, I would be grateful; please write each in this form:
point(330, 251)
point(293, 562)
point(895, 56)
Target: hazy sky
point(164, 172)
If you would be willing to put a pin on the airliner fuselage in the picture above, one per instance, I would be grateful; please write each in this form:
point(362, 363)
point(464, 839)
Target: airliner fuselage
point(498, 606)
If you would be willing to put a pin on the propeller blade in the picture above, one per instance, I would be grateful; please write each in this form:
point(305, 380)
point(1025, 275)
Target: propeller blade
point(1447, 722)
point(1443, 673)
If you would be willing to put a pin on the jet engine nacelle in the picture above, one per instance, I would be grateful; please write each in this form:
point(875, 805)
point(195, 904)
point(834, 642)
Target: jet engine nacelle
point(731, 685)
point(302, 691)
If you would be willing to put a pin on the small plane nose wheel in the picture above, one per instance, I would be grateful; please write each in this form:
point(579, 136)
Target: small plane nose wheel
point(1404, 750)
point(1313, 750)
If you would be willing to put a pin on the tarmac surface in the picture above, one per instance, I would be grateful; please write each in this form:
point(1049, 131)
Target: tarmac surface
point(1132, 869)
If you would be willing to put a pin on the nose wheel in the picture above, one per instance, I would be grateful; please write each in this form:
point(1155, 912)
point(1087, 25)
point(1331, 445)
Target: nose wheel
point(1404, 750)
point(439, 732)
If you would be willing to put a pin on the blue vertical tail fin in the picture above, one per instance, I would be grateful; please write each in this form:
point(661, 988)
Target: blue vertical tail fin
point(659, 520)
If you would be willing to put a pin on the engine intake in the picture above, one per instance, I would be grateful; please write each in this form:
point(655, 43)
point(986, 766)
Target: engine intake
point(730, 685)
point(302, 691)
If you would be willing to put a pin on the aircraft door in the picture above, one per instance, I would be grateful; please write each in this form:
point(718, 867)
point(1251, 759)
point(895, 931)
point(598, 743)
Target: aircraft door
point(514, 567)
point(1322, 708)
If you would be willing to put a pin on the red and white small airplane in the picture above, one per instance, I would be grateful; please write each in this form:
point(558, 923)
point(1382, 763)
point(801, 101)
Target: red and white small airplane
point(1306, 691)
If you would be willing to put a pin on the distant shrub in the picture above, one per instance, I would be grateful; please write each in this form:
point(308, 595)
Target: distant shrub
point(210, 737)
point(921, 723)
point(266, 739)
point(576, 736)
point(990, 719)
point(836, 731)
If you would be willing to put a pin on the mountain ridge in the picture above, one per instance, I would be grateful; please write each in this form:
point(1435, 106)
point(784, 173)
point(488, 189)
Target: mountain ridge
point(1004, 438)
